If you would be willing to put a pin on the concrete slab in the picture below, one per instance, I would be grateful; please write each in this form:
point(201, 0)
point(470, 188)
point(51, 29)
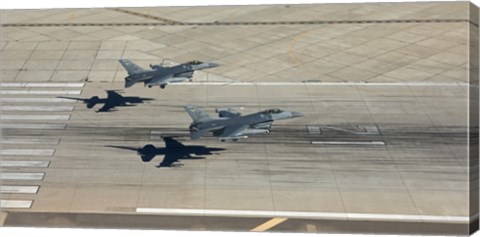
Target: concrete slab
point(29, 76)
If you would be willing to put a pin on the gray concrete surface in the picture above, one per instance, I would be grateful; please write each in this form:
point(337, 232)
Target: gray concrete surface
point(390, 97)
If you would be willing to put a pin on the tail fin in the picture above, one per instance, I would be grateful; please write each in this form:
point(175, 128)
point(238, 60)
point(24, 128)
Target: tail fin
point(196, 114)
point(131, 68)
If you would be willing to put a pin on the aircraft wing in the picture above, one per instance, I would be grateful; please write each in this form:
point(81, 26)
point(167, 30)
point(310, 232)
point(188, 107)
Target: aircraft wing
point(158, 80)
point(233, 131)
point(227, 114)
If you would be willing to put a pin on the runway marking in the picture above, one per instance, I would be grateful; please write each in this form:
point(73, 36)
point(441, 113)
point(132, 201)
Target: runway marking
point(348, 143)
point(49, 141)
point(313, 129)
point(34, 84)
point(21, 176)
point(269, 224)
point(19, 189)
point(24, 163)
point(33, 126)
point(37, 108)
point(36, 100)
point(35, 92)
point(361, 129)
point(317, 84)
point(308, 215)
point(16, 204)
point(27, 152)
point(168, 22)
point(35, 117)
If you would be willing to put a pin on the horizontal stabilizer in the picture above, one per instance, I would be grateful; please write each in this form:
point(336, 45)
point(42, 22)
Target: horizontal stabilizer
point(129, 82)
point(198, 134)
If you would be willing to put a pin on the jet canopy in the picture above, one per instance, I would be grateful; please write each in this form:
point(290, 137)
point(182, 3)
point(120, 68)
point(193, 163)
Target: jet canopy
point(194, 62)
point(273, 111)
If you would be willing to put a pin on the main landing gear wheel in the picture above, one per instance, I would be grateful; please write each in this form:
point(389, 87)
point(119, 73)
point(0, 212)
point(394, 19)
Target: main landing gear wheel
point(162, 86)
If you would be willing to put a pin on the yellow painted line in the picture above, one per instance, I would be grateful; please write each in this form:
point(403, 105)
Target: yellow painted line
point(311, 228)
point(3, 218)
point(291, 46)
point(269, 224)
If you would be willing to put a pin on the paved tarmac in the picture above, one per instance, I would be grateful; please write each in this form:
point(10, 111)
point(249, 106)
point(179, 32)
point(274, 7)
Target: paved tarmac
point(383, 143)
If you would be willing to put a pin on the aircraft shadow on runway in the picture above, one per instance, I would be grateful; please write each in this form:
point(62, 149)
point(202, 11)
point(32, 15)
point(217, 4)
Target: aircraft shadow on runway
point(172, 152)
point(114, 99)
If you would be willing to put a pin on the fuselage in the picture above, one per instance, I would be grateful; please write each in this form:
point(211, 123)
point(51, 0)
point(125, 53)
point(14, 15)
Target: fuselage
point(219, 123)
point(161, 72)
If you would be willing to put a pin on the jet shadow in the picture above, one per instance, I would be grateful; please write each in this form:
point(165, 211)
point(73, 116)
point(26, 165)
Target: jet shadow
point(113, 100)
point(172, 152)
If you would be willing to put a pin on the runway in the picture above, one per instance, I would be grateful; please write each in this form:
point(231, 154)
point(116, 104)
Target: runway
point(382, 148)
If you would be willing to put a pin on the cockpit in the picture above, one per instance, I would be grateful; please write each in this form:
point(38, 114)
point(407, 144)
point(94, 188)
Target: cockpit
point(194, 62)
point(273, 111)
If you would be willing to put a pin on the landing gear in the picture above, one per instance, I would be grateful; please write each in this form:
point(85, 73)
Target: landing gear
point(149, 86)
point(162, 86)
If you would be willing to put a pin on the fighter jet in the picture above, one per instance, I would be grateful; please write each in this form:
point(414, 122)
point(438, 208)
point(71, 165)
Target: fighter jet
point(173, 152)
point(113, 100)
point(232, 125)
point(160, 75)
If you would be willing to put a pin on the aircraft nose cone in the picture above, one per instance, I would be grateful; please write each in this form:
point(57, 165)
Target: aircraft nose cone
point(296, 114)
point(211, 65)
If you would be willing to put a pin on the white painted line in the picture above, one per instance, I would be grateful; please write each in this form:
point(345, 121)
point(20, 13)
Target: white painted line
point(24, 163)
point(50, 141)
point(307, 215)
point(154, 132)
point(27, 152)
point(37, 108)
point(34, 117)
point(35, 84)
point(19, 189)
point(33, 126)
point(15, 203)
point(348, 143)
point(36, 100)
point(34, 92)
point(313, 129)
point(21, 176)
point(316, 84)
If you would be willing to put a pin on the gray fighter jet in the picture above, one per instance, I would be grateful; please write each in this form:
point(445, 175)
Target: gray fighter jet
point(159, 75)
point(232, 125)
